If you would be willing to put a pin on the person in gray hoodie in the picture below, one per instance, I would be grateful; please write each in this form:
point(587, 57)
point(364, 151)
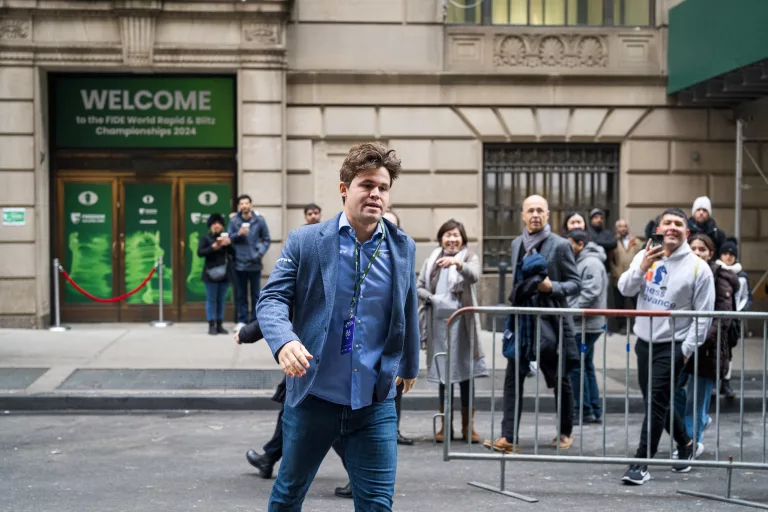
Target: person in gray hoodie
point(590, 265)
point(666, 277)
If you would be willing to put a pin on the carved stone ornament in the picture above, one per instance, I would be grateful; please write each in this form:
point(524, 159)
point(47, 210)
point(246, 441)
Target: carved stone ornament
point(262, 33)
point(14, 28)
point(138, 37)
point(550, 50)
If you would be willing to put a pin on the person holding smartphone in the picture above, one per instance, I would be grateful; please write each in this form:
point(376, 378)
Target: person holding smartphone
point(666, 276)
point(216, 248)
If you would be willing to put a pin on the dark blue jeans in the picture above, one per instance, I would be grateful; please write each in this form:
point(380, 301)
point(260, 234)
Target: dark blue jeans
point(215, 294)
point(369, 438)
point(244, 278)
point(591, 391)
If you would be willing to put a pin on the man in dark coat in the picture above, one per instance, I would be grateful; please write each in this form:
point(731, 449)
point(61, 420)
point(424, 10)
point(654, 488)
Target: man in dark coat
point(701, 221)
point(561, 281)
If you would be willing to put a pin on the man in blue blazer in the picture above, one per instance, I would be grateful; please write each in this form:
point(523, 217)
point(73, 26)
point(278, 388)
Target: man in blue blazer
point(354, 337)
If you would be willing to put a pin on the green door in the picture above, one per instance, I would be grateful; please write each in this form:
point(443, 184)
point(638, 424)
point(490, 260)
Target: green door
point(88, 240)
point(200, 200)
point(147, 235)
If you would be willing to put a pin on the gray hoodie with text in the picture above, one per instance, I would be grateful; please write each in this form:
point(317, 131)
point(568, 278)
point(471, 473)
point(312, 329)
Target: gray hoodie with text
point(590, 264)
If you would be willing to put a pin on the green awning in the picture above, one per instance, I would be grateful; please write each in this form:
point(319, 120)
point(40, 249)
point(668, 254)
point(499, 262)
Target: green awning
point(718, 51)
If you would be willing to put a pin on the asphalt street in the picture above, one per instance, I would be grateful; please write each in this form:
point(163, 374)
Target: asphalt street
point(182, 461)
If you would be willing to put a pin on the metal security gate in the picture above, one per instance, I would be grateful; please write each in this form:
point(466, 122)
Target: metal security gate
point(572, 177)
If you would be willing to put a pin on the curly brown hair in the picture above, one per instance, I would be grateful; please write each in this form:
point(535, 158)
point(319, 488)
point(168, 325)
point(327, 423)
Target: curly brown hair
point(366, 157)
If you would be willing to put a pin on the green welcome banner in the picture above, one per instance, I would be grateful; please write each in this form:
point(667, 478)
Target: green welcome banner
point(144, 112)
point(147, 237)
point(88, 239)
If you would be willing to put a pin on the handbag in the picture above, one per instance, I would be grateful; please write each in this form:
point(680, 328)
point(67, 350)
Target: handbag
point(218, 273)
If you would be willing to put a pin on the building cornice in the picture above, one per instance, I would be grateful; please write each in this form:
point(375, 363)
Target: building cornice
point(261, 32)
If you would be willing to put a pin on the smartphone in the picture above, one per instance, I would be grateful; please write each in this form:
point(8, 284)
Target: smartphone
point(657, 239)
point(247, 226)
point(224, 234)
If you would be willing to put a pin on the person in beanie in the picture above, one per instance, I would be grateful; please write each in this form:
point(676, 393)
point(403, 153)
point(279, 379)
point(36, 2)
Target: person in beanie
point(601, 236)
point(729, 256)
point(702, 222)
point(714, 355)
point(216, 248)
point(590, 264)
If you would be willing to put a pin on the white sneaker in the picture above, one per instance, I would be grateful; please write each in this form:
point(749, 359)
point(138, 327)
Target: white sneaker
point(675, 455)
point(699, 449)
point(239, 326)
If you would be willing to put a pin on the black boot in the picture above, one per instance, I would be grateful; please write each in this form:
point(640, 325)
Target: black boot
point(726, 390)
point(219, 328)
point(211, 328)
point(260, 462)
point(343, 492)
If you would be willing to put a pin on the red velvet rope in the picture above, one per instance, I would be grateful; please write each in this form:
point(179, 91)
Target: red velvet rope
point(113, 299)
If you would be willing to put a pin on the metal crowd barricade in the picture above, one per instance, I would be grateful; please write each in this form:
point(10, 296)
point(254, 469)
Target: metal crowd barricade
point(603, 456)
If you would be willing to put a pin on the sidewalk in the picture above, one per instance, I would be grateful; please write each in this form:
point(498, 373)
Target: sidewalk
point(135, 366)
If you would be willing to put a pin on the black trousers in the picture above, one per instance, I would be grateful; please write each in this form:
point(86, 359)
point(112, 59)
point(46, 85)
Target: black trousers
point(274, 447)
point(661, 379)
point(513, 406)
point(463, 391)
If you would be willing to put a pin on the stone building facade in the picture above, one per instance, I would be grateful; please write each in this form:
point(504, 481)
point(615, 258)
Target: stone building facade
point(469, 108)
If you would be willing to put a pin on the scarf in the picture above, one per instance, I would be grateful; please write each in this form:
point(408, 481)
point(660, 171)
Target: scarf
point(455, 281)
point(532, 242)
point(735, 268)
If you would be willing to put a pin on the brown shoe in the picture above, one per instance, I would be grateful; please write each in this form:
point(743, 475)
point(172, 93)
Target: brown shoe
point(440, 436)
point(501, 445)
point(565, 442)
point(465, 425)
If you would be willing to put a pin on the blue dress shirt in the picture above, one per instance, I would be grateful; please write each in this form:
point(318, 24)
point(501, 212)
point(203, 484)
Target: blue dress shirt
point(349, 379)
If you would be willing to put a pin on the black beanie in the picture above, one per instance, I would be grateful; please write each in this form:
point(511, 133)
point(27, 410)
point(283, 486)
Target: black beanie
point(730, 246)
point(216, 217)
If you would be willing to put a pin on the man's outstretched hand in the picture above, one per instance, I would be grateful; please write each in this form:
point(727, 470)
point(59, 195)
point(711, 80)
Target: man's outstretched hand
point(294, 359)
point(407, 383)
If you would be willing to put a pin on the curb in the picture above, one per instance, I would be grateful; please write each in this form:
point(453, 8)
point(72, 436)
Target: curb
point(61, 402)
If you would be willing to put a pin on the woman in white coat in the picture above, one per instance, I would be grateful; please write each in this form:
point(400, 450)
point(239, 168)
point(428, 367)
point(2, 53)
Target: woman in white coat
point(446, 284)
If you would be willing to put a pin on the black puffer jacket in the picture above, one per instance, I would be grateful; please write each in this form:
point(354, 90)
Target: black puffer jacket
point(710, 229)
point(726, 285)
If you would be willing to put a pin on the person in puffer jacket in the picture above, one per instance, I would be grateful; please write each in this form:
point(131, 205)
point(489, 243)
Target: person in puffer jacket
point(729, 259)
point(590, 264)
point(703, 374)
point(701, 221)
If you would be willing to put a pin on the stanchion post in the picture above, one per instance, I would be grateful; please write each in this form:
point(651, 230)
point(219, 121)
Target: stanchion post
point(57, 327)
point(160, 322)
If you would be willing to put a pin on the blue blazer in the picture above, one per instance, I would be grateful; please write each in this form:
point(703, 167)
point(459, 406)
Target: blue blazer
point(305, 277)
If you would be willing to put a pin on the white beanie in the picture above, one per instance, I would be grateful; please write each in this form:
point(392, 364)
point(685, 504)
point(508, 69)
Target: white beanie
point(702, 202)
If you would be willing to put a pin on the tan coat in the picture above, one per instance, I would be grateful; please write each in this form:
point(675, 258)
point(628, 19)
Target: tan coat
point(621, 258)
point(465, 361)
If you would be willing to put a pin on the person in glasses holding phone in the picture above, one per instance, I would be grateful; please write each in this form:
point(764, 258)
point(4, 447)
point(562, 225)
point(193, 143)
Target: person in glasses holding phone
point(666, 276)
